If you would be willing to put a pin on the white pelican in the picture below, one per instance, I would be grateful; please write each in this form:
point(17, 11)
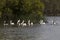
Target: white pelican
point(11, 23)
point(53, 22)
point(23, 23)
point(18, 22)
point(31, 24)
point(41, 22)
point(5, 23)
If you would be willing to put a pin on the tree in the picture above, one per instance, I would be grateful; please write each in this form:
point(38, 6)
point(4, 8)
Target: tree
point(52, 7)
point(22, 9)
point(33, 9)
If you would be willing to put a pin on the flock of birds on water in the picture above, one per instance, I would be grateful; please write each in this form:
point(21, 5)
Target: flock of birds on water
point(18, 23)
point(29, 23)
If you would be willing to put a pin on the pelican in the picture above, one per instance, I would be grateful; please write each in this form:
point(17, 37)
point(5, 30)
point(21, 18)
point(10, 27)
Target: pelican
point(53, 22)
point(18, 22)
point(23, 23)
point(31, 23)
point(11, 23)
point(5, 23)
point(41, 22)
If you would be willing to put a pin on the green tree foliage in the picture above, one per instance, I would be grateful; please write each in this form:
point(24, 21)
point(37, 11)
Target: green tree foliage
point(2, 4)
point(21, 9)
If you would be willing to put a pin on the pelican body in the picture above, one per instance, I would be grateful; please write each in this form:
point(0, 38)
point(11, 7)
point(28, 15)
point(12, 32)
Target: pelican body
point(18, 22)
point(11, 23)
point(41, 22)
point(23, 23)
point(30, 23)
point(53, 22)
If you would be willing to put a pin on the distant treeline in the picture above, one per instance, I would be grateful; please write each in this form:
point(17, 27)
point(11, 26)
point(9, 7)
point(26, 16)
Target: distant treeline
point(52, 7)
point(21, 9)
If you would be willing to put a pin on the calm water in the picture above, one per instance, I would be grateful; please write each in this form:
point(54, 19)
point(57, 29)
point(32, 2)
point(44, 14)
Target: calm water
point(36, 32)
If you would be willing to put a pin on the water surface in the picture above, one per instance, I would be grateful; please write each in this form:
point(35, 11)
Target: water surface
point(36, 32)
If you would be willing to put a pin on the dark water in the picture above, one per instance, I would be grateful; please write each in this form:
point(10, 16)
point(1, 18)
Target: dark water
point(36, 32)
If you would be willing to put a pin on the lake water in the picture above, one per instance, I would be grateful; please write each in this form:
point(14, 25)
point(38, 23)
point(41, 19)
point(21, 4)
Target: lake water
point(35, 32)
